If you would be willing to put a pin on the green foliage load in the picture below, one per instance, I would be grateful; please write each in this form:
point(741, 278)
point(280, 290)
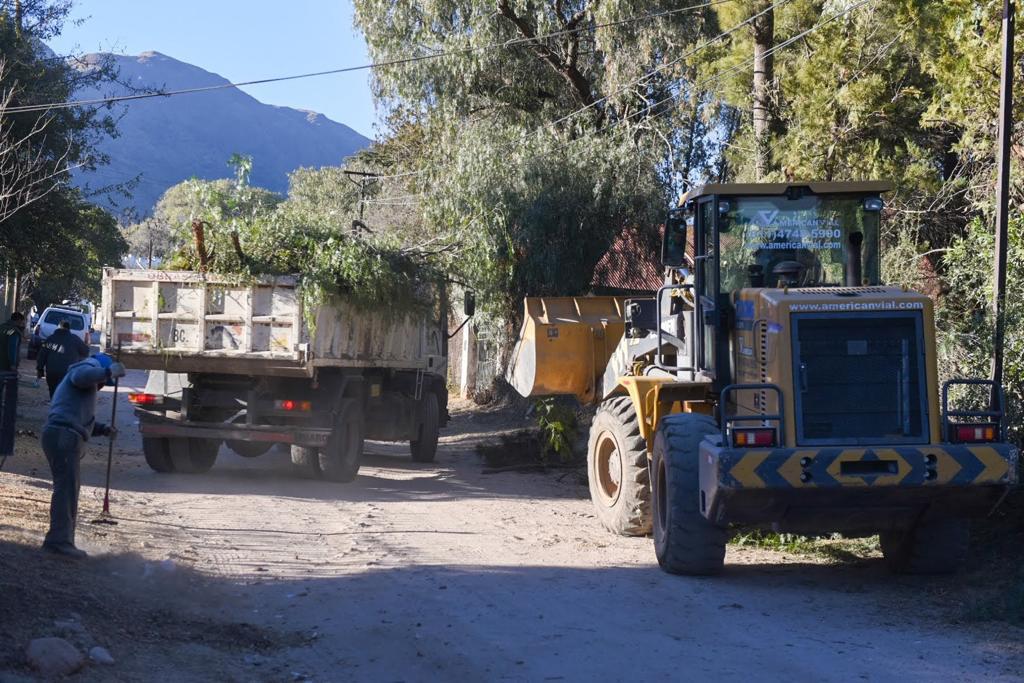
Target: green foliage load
point(248, 232)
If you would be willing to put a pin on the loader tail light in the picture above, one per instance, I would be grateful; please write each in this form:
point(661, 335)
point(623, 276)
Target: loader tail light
point(975, 433)
point(143, 399)
point(290, 405)
point(754, 437)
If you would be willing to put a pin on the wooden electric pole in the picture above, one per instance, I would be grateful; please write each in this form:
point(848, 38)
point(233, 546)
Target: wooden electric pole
point(1002, 205)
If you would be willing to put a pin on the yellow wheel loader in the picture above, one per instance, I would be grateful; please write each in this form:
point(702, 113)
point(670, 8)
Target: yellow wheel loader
point(773, 381)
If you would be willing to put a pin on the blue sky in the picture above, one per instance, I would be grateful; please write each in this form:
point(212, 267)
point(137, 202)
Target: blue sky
point(242, 40)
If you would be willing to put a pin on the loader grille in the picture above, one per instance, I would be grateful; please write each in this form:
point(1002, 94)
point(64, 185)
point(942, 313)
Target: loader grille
point(859, 378)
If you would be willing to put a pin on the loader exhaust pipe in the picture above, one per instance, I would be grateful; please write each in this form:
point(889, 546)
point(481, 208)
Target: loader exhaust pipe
point(854, 260)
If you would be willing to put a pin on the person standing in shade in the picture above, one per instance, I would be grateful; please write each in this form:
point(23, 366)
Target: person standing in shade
point(72, 420)
point(11, 333)
point(58, 352)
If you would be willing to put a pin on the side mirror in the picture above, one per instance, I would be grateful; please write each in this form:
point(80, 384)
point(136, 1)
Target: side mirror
point(469, 303)
point(673, 245)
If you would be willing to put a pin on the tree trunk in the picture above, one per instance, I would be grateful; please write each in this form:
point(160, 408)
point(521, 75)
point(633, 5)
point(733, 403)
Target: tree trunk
point(764, 76)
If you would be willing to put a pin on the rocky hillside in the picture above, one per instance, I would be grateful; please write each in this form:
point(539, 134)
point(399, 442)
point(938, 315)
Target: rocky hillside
point(168, 140)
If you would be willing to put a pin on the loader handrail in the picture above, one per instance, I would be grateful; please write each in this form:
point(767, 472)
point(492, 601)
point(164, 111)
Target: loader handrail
point(998, 415)
point(659, 359)
point(728, 420)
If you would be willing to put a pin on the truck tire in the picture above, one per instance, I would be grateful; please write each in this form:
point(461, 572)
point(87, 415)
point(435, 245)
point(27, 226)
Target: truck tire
point(306, 461)
point(937, 546)
point(340, 458)
point(617, 469)
point(685, 542)
point(158, 454)
point(424, 448)
point(196, 456)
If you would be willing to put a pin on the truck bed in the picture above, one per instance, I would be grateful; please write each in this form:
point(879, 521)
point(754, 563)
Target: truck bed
point(185, 321)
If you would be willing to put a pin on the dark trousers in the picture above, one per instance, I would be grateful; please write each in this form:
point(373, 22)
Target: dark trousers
point(63, 447)
point(52, 380)
point(8, 410)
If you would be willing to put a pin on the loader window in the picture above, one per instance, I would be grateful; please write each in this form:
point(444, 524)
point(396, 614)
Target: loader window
point(810, 241)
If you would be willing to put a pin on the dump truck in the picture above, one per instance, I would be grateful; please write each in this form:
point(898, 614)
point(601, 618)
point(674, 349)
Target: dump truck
point(242, 361)
point(772, 382)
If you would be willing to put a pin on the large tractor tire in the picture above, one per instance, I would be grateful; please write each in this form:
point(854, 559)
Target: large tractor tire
point(340, 458)
point(193, 456)
point(424, 446)
point(306, 461)
point(617, 469)
point(158, 454)
point(685, 542)
point(937, 546)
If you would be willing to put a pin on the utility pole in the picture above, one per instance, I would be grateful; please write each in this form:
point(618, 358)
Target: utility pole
point(358, 227)
point(764, 74)
point(1002, 205)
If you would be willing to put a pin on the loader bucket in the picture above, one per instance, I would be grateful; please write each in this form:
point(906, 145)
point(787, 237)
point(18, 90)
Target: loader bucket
point(565, 344)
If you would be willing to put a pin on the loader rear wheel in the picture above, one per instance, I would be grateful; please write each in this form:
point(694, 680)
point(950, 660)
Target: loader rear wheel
point(158, 454)
point(424, 447)
point(339, 459)
point(306, 461)
point(937, 546)
point(617, 469)
point(193, 456)
point(685, 542)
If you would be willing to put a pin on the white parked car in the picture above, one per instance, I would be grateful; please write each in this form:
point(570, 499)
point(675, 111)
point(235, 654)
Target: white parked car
point(49, 321)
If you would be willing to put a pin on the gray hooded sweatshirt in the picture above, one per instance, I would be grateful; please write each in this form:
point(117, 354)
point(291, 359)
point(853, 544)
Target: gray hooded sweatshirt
point(74, 402)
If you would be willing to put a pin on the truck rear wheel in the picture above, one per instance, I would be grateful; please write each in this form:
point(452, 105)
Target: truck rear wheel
point(617, 469)
point(937, 546)
point(193, 456)
point(339, 459)
point(158, 454)
point(685, 542)
point(424, 447)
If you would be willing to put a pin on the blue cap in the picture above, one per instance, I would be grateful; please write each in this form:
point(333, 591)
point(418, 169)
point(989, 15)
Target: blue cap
point(105, 362)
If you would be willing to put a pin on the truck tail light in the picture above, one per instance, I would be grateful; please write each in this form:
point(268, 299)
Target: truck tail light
point(975, 433)
point(142, 399)
point(756, 437)
point(290, 405)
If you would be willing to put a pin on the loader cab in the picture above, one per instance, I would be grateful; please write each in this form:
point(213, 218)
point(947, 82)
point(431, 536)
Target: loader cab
point(777, 235)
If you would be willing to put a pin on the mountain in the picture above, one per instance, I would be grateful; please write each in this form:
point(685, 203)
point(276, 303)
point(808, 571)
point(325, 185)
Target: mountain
point(170, 139)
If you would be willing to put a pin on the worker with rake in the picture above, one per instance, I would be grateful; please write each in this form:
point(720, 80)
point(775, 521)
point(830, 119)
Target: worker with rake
point(72, 420)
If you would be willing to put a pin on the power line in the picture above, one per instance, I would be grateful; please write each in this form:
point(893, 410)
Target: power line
point(516, 42)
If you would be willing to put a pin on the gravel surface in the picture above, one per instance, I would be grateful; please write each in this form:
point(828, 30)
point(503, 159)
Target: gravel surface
point(418, 572)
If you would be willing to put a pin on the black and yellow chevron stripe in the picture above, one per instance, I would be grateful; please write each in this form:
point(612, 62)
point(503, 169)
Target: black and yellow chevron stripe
point(948, 464)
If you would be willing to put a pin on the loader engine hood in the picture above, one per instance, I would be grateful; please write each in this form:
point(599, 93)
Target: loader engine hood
point(856, 364)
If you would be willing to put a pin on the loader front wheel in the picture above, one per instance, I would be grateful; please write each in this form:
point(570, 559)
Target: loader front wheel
point(937, 546)
point(617, 469)
point(685, 542)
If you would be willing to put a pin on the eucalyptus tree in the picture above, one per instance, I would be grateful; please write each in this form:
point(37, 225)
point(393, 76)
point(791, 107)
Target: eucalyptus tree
point(533, 132)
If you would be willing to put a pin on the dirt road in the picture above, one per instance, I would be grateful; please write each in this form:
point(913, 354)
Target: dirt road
point(442, 572)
